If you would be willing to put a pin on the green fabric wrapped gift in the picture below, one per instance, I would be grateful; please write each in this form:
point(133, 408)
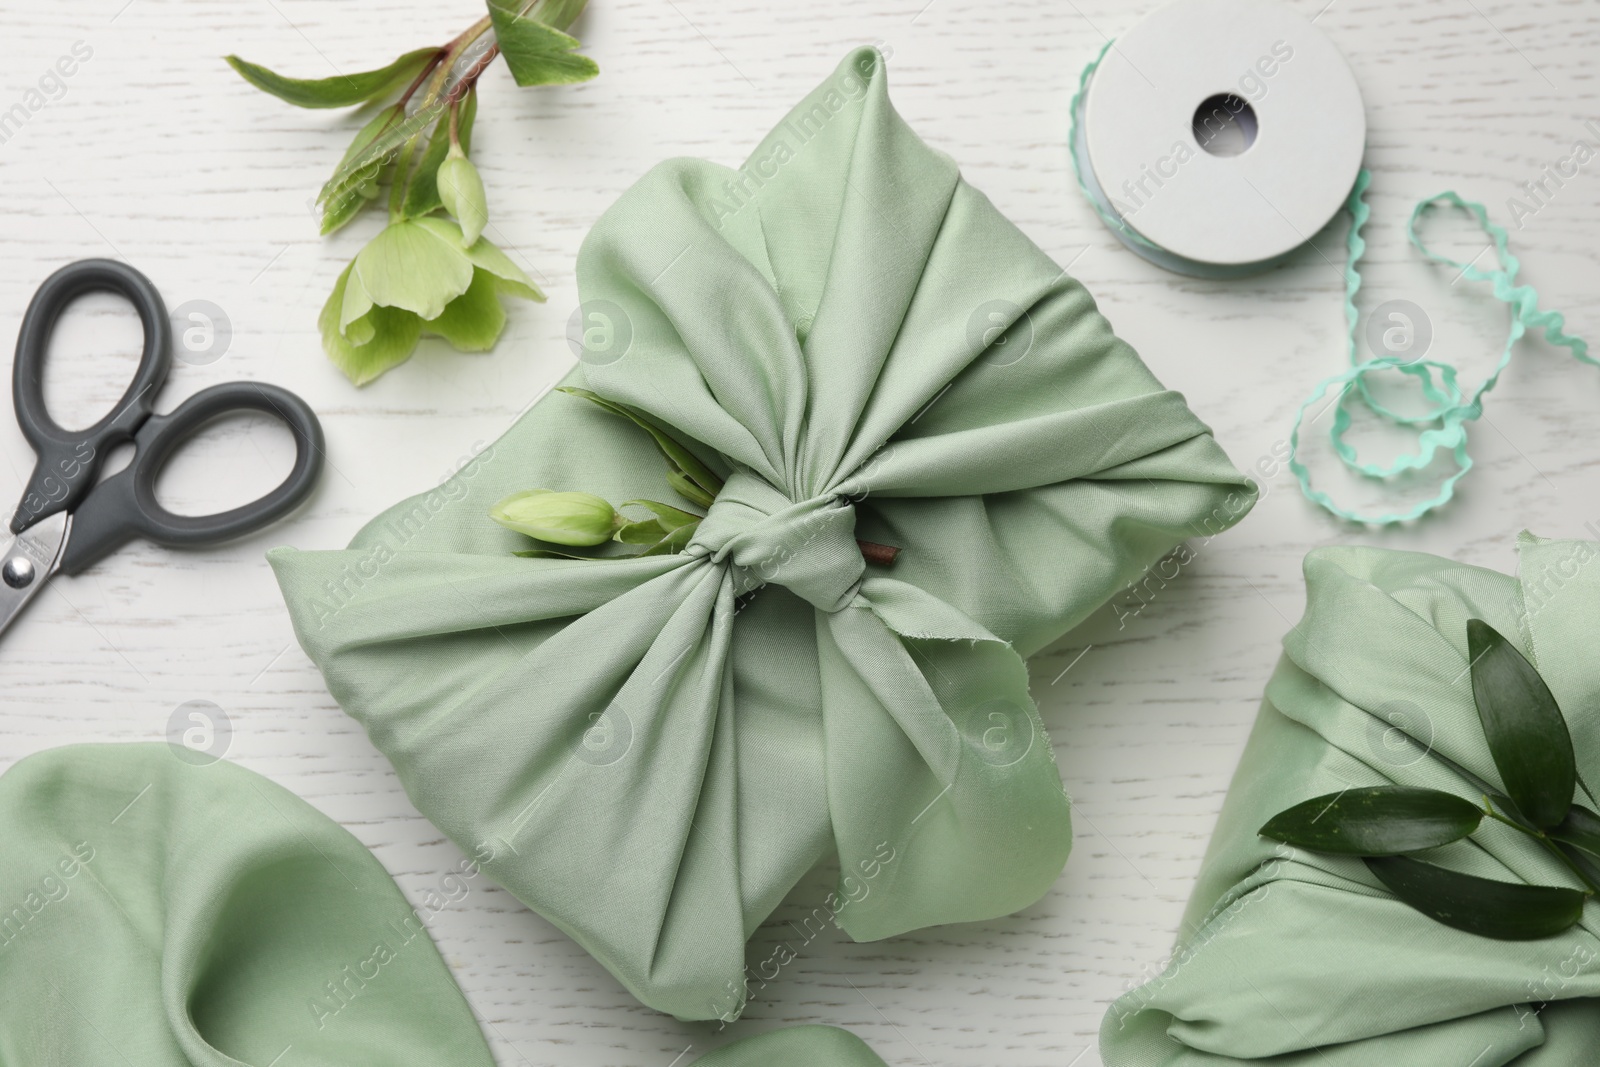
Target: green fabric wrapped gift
point(155, 912)
point(1295, 958)
point(653, 750)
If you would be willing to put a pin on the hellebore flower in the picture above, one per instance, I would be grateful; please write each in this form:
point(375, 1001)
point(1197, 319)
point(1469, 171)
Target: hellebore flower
point(419, 276)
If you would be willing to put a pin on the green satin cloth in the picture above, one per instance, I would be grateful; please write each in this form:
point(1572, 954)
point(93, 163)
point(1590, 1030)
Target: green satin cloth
point(795, 1046)
point(1293, 958)
point(653, 751)
point(157, 913)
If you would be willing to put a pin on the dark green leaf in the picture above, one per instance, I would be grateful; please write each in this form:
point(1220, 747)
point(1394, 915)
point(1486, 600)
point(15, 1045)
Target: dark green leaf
point(1580, 829)
point(341, 90)
point(1527, 735)
point(423, 196)
point(1483, 906)
point(1584, 863)
point(536, 52)
point(675, 452)
point(1378, 820)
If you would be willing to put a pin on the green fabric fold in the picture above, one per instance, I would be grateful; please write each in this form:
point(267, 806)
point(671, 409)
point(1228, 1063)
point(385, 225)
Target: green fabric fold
point(1290, 957)
point(155, 912)
point(795, 1046)
point(653, 751)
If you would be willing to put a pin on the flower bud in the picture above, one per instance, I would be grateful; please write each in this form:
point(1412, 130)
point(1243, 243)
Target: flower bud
point(560, 518)
point(461, 192)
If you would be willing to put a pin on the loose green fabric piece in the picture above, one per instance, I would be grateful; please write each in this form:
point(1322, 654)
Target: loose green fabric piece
point(795, 1046)
point(1297, 958)
point(653, 751)
point(159, 913)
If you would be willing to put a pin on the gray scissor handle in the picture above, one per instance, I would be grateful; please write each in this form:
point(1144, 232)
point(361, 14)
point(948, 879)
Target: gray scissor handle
point(69, 460)
point(124, 506)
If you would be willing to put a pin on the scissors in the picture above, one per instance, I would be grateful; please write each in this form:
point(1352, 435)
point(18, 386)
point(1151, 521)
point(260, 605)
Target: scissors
point(68, 521)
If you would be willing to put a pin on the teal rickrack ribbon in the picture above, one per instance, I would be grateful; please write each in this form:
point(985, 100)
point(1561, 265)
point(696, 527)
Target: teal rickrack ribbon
point(1449, 408)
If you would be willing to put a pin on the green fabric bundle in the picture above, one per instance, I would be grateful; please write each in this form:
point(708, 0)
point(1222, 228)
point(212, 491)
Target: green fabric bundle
point(1295, 958)
point(653, 750)
point(159, 913)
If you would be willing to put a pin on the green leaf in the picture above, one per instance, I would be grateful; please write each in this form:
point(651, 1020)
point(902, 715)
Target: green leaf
point(341, 90)
point(423, 195)
point(558, 13)
point(671, 518)
point(1584, 863)
point(388, 336)
point(410, 265)
point(473, 321)
point(1580, 828)
point(675, 541)
point(1501, 910)
point(1382, 820)
point(359, 194)
point(685, 487)
point(378, 153)
point(648, 532)
point(1527, 735)
point(536, 52)
point(675, 452)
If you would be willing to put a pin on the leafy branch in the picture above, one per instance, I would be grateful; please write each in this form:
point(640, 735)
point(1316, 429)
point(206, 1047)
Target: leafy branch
point(1532, 751)
point(425, 273)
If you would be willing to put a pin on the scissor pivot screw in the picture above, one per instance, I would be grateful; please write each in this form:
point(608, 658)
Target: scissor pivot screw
point(18, 572)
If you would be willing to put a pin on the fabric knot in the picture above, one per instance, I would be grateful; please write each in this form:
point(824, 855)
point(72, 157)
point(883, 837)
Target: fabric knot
point(808, 547)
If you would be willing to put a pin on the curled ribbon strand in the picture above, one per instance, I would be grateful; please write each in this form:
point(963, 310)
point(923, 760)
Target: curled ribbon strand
point(1443, 424)
point(1449, 408)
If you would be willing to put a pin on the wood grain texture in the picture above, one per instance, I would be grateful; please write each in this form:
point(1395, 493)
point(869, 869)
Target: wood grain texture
point(156, 152)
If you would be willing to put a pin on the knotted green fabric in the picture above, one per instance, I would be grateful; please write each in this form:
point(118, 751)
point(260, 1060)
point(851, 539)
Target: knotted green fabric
point(795, 1046)
point(652, 751)
point(1294, 958)
point(159, 913)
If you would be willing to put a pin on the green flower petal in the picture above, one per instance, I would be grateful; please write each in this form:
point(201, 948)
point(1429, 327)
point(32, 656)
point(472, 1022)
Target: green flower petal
point(485, 255)
point(392, 336)
point(410, 265)
point(474, 320)
point(354, 306)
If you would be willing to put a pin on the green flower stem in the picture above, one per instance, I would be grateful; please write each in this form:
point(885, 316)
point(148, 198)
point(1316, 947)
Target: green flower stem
point(402, 182)
point(1550, 846)
point(435, 77)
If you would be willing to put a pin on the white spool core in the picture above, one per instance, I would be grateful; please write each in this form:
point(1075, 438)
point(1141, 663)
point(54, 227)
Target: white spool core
point(1144, 115)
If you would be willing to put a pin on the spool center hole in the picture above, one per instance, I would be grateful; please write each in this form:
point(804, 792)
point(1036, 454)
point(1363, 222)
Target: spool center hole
point(1224, 125)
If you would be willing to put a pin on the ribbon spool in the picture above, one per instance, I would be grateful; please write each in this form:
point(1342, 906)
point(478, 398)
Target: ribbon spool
point(1158, 121)
point(1155, 157)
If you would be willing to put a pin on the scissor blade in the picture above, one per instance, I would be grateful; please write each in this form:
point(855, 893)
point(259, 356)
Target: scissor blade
point(28, 561)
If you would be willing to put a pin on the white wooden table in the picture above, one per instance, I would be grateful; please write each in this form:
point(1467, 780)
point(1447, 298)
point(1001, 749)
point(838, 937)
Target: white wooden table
point(154, 151)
